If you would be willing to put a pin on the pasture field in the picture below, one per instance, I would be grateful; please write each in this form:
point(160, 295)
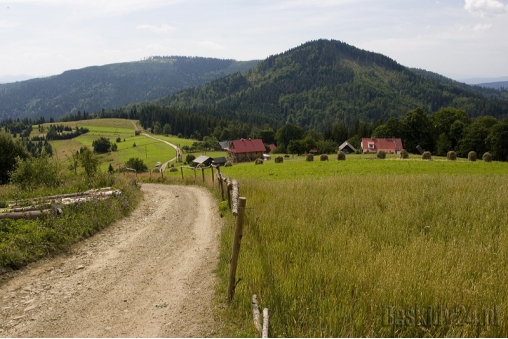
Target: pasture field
point(130, 146)
point(371, 248)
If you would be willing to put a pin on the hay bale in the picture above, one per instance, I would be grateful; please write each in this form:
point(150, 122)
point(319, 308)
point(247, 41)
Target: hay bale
point(228, 164)
point(279, 160)
point(381, 154)
point(427, 155)
point(173, 169)
point(487, 157)
point(451, 155)
point(258, 161)
point(404, 154)
point(471, 156)
point(341, 155)
point(200, 166)
point(323, 157)
point(309, 157)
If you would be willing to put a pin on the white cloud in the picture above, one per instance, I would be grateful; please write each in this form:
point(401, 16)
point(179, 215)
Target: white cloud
point(482, 27)
point(164, 28)
point(485, 6)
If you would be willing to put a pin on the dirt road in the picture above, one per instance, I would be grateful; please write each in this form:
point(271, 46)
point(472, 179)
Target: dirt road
point(147, 275)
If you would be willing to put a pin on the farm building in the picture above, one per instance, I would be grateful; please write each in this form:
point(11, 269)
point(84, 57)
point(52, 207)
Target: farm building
point(246, 150)
point(220, 161)
point(347, 148)
point(389, 145)
point(224, 145)
point(202, 159)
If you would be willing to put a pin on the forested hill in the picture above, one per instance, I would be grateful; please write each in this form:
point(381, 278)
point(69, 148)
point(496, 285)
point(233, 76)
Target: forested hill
point(322, 82)
point(93, 88)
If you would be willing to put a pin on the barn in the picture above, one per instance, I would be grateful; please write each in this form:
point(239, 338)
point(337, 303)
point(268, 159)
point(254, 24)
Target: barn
point(389, 145)
point(246, 150)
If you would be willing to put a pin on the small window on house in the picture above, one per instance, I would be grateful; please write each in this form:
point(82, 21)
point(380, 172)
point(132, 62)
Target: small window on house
point(371, 146)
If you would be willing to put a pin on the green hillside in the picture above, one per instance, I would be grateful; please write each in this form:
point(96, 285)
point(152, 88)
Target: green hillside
point(95, 88)
point(322, 82)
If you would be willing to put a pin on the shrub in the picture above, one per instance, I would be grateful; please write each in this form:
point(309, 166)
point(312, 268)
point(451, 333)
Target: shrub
point(137, 164)
point(309, 157)
point(471, 156)
point(279, 160)
point(173, 169)
point(427, 155)
point(323, 157)
point(118, 139)
point(487, 157)
point(34, 172)
point(258, 161)
point(451, 155)
point(101, 145)
point(190, 158)
point(381, 154)
point(228, 164)
point(404, 154)
point(341, 155)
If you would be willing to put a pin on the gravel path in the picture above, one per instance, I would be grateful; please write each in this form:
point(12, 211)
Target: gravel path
point(147, 275)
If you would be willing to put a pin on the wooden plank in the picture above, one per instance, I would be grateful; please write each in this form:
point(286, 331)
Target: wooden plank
point(236, 248)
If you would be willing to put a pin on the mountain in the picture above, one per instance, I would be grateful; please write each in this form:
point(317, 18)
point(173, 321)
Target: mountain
point(93, 88)
point(495, 85)
point(325, 81)
point(477, 81)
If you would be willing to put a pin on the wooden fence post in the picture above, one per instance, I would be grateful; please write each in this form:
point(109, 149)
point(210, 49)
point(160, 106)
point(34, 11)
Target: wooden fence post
point(203, 173)
point(242, 201)
point(266, 323)
point(255, 313)
point(181, 169)
point(212, 176)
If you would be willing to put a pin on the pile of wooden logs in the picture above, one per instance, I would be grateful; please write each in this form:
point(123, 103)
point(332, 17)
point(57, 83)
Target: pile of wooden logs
point(34, 208)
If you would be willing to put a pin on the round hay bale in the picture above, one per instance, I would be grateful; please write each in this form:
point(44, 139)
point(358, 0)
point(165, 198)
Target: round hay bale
point(228, 164)
point(451, 155)
point(427, 155)
point(279, 160)
point(309, 157)
point(173, 169)
point(404, 154)
point(487, 157)
point(471, 156)
point(341, 155)
point(258, 161)
point(323, 157)
point(200, 166)
point(381, 154)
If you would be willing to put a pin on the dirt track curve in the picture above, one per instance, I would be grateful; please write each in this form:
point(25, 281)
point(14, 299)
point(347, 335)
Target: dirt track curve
point(147, 275)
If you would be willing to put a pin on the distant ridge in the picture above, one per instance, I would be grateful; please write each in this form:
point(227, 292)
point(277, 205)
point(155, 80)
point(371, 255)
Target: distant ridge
point(94, 88)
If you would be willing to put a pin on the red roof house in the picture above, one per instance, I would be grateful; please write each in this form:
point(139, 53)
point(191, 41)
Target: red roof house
point(389, 145)
point(246, 150)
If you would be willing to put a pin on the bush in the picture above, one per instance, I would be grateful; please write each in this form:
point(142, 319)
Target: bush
point(258, 161)
point(451, 155)
point(381, 154)
point(427, 155)
point(279, 160)
point(118, 139)
point(323, 157)
point(471, 156)
point(189, 158)
point(309, 157)
point(101, 145)
point(228, 164)
point(173, 169)
point(35, 172)
point(487, 157)
point(404, 154)
point(341, 155)
point(137, 164)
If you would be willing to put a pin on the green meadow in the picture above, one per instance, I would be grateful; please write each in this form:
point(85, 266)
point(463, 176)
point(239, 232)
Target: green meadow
point(371, 248)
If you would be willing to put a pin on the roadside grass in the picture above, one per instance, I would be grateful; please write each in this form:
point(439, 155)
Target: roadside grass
point(24, 241)
point(329, 247)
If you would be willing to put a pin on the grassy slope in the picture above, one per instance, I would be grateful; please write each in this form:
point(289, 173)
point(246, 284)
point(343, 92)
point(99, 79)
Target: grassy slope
point(327, 245)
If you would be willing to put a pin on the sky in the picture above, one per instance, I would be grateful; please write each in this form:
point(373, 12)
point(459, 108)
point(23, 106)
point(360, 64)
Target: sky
point(457, 38)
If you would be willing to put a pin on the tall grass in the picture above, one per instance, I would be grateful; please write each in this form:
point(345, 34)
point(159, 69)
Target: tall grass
point(327, 253)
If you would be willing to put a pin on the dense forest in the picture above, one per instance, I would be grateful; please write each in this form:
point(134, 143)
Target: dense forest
point(322, 82)
point(104, 87)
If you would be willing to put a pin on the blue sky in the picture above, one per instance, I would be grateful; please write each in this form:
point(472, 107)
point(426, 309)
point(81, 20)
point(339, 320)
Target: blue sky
point(457, 38)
